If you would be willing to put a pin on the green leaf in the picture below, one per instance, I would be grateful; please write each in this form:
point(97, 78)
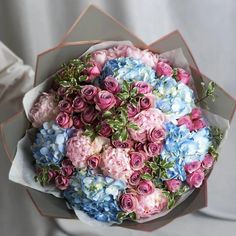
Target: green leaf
point(123, 95)
point(125, 86)
point(132, 216)
point(121, 215)
point(124, 134)
point(133, 126)
point(146, 176)
point(82, 78)
point(107, 114)
point(153, 165)
point(133, 92)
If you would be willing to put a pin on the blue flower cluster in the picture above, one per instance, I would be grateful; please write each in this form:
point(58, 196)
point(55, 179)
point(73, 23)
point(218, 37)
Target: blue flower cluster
point(95, 194)
point(129, 69)
point(49, 145)
point(182, 147)
point(174, 98)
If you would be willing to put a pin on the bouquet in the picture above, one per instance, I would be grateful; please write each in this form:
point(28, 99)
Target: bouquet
point(118, 132)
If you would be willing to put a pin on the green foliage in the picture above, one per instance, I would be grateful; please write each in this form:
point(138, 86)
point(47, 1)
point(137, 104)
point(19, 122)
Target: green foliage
point(126, 216)
point(208, 92)
point(90, 132)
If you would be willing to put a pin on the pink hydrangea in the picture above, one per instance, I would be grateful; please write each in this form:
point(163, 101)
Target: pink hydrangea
point(146, 120)
point(44, 109)
point(115, 162)
point(80, 147)
point(153, 203)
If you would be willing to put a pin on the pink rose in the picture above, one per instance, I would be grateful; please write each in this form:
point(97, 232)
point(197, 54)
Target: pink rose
point(208, 161)
point(173, 185)
point(185, 120)
point(62, 182)
point(93, 72)
point(88, 115)
point(164, 69)
point(111, 85)
point(88, 93)
point(142, 87)
point(195, 179)
point(196, 113)
point(52, 174)
point(146, 170)
point(145, 187)
point(132, 111)
point(77, 123)
point(67, 171)
point(124, 144)
point(65, 106)
point(153, 149)
point(105, 130)
point(199, 124)
point(66, 163)
point(183, 75)
point(105, 100)
point(137, 160)
point(135, 178)
point(64, 120)
point(138, 147)
point(78, 104)
point(147, 102)
point(193, 166)
point(99, 58)
point(128, 202)
point(93, 161)
point(156, 135)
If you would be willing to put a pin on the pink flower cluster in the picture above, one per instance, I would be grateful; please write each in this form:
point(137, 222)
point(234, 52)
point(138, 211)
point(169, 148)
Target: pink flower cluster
point(194, 121)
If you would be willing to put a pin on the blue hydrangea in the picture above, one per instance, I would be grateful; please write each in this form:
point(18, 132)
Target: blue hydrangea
point(182, 147)
point(128, 69)
point(96, 195)
point(49, 145)
point(174, 98)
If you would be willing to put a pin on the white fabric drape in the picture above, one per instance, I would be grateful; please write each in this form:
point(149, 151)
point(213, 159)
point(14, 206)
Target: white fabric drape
point(29, 27)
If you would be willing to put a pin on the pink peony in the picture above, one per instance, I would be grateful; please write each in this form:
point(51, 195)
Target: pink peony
point(164, 69)
point(88, 93)
point(64, 120)
point(104, 100)
point(208, 161)
point(193, 166)
point(183, 76)
point(80, 147)
point(196, 113)
point(115, 162)
point(145, 187)
point(111, 85)
point(142, 87)
point(135, 178)
point(151, 204)
point(199, 124)
point(93, 161)
point(195, 179)
point(137, 160)
point(173, 185)
point(78, 104)
point(62, 182)
point(128, 202)
point(156, 135)
point(44, 109)
point(146, 120)
point(186, 120)
point(153, 149)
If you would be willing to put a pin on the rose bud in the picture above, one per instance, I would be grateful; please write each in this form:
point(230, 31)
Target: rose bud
point(153, 149)
point(196, 113)
point(183, 76)
point(142, 87)
point(164, 69)
point(111, 85)
point(128, 202)
point(93, 72)
point(62, 182)
point(156, 135)
point(66, 163)
point(67, 171)
point(52, 174)
point(146, 170)
point(145, 187)
point(78, 104)
point(135, 178)
point(105, 130)
point(137, 160)
point(199, 124)
point(173, 185)
point(77, 123)
point(193, 166)
point(185, 120)
point(146, 102)
point(208, 161)
point(124, 144)
point(104, 100)
point(62, 91)
point(93, 161)
point(138, 147)
point(132, 111)
point(88, 93)
point(88, 115)
point(99, 58)
point(195, 179)
point(65, 106)
point(64, 120)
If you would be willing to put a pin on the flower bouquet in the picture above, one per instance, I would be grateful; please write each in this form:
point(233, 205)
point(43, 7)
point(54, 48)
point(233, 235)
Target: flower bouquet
point(118, 133)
